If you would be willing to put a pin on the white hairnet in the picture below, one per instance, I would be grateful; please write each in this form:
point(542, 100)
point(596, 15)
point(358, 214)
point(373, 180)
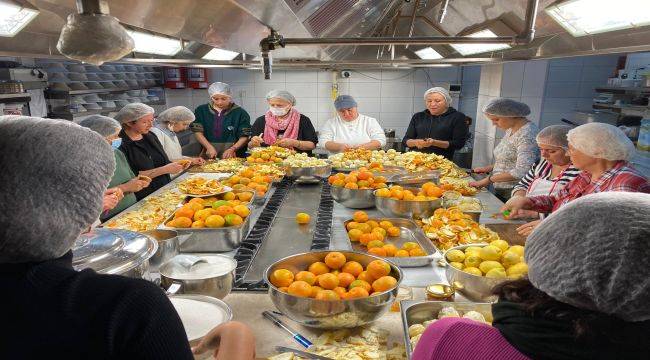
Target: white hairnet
point(133, 112)
point(504, 107)
point(176, 114)
point(219, 88)
point(554, 135)
point(103, 125)
point(441, 91)
point(56, 193)
point(281, 94)
point(601, 141)
point(592, 253)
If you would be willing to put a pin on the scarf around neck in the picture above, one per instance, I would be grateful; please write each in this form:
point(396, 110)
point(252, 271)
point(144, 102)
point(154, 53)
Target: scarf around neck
point(274, 124)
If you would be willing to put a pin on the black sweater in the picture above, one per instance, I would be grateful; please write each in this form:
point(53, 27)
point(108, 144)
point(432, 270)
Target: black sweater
point(449, 126)
point(145, 154)
point(306, 131)
point(52, 311)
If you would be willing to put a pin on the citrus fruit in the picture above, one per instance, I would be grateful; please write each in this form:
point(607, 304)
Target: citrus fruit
point(341, 291)
point(353, 268)
point(318, 268)
point(299, 288)
point(364, 227)
point(377, 251)
point(302, 218)
point(352, 225)
point(394, 231)
point(366, 277)
point(218, 203)
point(383, 193)
point(378, 268)
point(385, 224)
point(501, 244)
point(306, 276)
point(214, 221)
point(455, 255)
point(198, 224)
point(327, 295)
point(360, 216)
point(381, 231)
point(390, 250)
point(233, 220)
point(314, 291)
point(360, 283)
point(357, 292)
point(375, 244)
point(518, 249)
point(473, 271)
point(457, 265)
point(384, 283)
point(472, 260)
point(510, 258)
point(417, 252)
point(354, 234)
point(517, 270)
point(401, 253)
point(496, 273)
point(281, 277)
point(490, 252)
point(242, 210)
point(366, 238)
point(335, 260)
point(229, 196)
point(184, 211)
point(488, 265)
point(328, 281)
point(224, 210)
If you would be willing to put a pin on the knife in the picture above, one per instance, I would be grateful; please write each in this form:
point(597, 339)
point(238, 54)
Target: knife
point(300, 353)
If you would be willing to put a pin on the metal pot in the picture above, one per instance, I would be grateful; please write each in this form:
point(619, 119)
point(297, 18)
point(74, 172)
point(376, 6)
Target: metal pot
point(210, 275)
point(196, 327)
point(168, 247)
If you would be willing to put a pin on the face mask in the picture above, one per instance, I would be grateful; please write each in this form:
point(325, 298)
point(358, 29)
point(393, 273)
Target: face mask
point(115, 144)
point(279, 111)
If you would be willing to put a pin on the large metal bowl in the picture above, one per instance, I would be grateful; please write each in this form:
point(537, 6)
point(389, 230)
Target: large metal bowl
point(417, 179)
point(406, 208)
point(308, 172)
point(352, 198)
point(331, 314)
point(473, 287)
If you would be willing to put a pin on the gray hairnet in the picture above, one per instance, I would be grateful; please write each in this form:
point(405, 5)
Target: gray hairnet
point(281, 94)
point(219, 88)
point(176, 114)
point(133, 112)
point(56, 192)
point(601, 266)
point(554, 135)
point(503, 107)
point(103, 125)
point(601, 141)
point(441, 91)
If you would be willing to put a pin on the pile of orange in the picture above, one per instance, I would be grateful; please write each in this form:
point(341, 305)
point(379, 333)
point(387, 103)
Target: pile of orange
point(373, 235)
point(263, 157)
point(361, 179)
point(429, 191)
point(247, 179)
point(335, 278)
point(212, 212)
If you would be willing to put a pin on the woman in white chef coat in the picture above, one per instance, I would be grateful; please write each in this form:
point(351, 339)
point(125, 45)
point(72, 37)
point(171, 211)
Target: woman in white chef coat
point(171, 121)
point(350, 130)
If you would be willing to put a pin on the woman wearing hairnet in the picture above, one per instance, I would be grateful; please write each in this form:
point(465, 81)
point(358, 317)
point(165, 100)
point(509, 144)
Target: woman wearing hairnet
point(602, 152)
point(142, 149)
point(169, 122)
point(123, 177)
point(440, 129)
point(516, 152)
point(55, 311)
point(221, 127)
point(551, 173)
point(283, 125)
point(586, 295)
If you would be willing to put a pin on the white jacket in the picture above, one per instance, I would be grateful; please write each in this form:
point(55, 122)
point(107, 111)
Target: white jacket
point(170, 144)
point(359, 131)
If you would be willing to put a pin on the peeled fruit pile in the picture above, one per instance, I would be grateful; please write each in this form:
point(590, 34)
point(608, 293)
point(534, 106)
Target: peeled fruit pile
point(373, 235)
point(212, 212)
point(362, 179)
point(450, 227)
point(335, 278)
point(429, 191)
point(248, 179)
point(271, 154)
point(497, 260)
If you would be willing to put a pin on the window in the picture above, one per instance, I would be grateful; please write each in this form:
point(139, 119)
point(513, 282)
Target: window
point(14, 18)
point(469, 49)
point(154, 44)
point(585, 17)
point(428, 54)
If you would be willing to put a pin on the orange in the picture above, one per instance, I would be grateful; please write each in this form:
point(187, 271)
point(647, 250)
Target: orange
point(194, 206)
point(182, 222)
point(284, 289)
point(245, 196)
point(364, 227)
point(380, 179)
point(184, 211)
point(198, 201)
point(360, 216)
point(435, 192)
point(360, 283)
point(198, 224)
point(318, 268)
point(352, 186)
point(341, 291)
point(338, 183)
point(331, 179)
point(352, 225)
point(299, 288)
point(357, 292)
point(366, 277)
point(380, 231)
point(375, 244)
point(224, 210)
point(315, 290)
point(373, 224)
point(417, 252)
point(214, 221)
point(428, 185)
point(385, 224)
point(281, 277)
point(306, 276)
point(377, 251)
point(363, 184)
point(383, 192)
point(350, 179)
point(302, 218)
point(229, 196)
point(364, 175)
point(354, 234)
point(345, 279)
point(201, 214)
point(242, 210)
point(335, 260)
point(328, 281)
point(327, 295)
point(402, 253)
point(378, 268)
point(377, 235)
point(233, 220)
point(390, 250)
point(394, 231)
point(408, 196)
point(397, 194)
point(410, 245)
point(366, 238)
point(208, 200)
point(353, 268)
point(384, 283)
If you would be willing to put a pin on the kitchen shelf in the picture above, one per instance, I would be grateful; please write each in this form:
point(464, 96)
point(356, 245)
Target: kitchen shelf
point(620, 107)
point(69, 115)
point(15, 98)
point(622, 90)
point(63, 93)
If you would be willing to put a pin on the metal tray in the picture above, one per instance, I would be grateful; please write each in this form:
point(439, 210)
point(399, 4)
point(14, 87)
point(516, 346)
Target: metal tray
point(410, 232)
point(211, 176)
point(417, 312)
point(416, 179)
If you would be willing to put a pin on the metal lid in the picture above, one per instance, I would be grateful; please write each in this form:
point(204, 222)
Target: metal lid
point(212, 265)
point(112, 251)
point(200, 314)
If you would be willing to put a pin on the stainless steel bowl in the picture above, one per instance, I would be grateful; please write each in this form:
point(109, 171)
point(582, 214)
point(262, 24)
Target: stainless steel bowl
point(308, 172)
point(475, 288)
point(355, 199)
point(417, 179)
point(406, 208)
point(331, 314)
point(213, 278)
point(168, 247)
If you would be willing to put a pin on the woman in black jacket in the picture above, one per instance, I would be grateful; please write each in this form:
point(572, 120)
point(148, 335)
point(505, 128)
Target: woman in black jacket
point(440, 129)
point(142, 149)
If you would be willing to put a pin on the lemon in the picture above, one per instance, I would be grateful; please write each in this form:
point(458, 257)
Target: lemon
point(517, 270)
point(455, 255)
point(510, 258)
point(472, 261)
point(472, 249)
point(488, 265)
point(501, 244)
point(496, 273)
point(473, 271)
point(490, 252)
point(457, 265)
point(518, 249)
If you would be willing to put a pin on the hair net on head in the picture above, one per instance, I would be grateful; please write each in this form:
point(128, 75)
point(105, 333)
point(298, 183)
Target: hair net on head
point(57, 192)
point(345, 102)
point(133, 112)
point(176, 114)
point(601, 141)
point(103, 125)
point(601, 266)
point(281, 94)
point(441, 91)
point(219, 88)
point(554, 135)
point(503, 107)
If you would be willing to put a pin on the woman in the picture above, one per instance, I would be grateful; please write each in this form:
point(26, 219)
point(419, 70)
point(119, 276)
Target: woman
point(57, 311)
point(551, 173)
point(283, 125)
point(351, 130)
point(142, 149)
point(440, 129)
point(586, 295)
point(221, 126)
point(516, 152)
point(169, 122)
point(123, 177)
point(601, 152)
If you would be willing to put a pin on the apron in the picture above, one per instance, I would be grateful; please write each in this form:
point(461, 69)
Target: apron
point(544, 187)
point(220, 147)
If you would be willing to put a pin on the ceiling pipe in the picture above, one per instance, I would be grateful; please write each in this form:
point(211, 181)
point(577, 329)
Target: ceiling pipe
point(412, 23)
point(443, 11)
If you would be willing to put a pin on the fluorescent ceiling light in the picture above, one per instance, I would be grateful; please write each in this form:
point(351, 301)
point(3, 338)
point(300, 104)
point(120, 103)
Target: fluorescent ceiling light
point(428, 54)
point(469, 49)
point(14, 18)
point(220, 54)
point(154, 44)
point(585, 17)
